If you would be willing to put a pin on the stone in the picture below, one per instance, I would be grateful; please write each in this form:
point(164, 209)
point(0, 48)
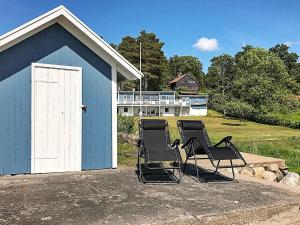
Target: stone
point(130, 138)
point(279, 176)
point(247, 171)
point(270, 176)
point(292, 179)
point(259, 172)
point(272, 167)
point(284, 170)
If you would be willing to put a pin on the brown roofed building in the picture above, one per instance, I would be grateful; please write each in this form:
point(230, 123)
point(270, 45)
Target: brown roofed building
point(186, 82)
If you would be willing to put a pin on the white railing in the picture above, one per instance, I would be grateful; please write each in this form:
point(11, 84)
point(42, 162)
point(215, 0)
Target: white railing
point(154, 102)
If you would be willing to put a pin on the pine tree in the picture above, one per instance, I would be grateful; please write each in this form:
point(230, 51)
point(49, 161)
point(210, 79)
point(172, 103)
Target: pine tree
point(154, 62)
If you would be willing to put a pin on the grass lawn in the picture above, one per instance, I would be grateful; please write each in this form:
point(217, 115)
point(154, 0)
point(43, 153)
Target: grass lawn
point(275, 141)
point(294, 116)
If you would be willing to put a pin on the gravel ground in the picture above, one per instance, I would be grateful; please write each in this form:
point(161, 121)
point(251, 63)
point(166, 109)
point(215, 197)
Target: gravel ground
point(117, 197)
point(291, 217)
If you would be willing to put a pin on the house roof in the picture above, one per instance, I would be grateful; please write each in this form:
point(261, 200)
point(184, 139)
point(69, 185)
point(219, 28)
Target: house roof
point(81, 31)
point(179, 77)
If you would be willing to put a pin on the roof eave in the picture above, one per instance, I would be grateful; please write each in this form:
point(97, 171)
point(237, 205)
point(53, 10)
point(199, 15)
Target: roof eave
point(26, 30)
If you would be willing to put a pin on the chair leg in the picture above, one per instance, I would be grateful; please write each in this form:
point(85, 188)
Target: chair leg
point(233, 174)
point(173, 168)
point(196, 166)
point(217, 167)
point(140, 169)
point(184, 165)
point(180, 176)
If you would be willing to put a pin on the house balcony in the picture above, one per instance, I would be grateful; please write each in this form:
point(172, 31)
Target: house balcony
point(154, 103)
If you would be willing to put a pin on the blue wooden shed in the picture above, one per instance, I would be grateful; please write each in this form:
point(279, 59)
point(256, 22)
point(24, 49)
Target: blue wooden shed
point(58, 87)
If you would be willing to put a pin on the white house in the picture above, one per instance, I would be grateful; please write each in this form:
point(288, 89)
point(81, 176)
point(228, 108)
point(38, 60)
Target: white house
point(161, 103)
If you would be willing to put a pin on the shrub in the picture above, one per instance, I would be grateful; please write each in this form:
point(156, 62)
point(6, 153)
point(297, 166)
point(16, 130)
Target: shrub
point(275, 120)
point(126, 124)
point(240, 110)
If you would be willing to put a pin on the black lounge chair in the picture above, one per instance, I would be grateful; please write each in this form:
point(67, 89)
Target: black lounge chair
point(196, 142)
point(155, 148)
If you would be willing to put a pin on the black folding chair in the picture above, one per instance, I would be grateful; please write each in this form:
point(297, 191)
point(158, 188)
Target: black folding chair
point(155, 148)
point(196, 142)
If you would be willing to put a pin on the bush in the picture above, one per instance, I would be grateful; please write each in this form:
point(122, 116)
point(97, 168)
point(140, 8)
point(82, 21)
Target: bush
point(240, 110)
point(126, 124)
point(275, 120)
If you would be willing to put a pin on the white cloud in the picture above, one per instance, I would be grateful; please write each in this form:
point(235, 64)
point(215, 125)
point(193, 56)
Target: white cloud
point(206, 45)
point(290, 43)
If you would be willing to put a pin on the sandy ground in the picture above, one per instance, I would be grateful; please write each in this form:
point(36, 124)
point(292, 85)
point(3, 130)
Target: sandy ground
point(291, 217)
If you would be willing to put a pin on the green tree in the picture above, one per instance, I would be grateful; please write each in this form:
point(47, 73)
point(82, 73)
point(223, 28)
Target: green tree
point(113, 45)
point(295, 72)
point(129, 48)
point(154, 62)
point(186, 64)
point(243, 51)
point(220, 79)
point(262, 80)
point(289, 59)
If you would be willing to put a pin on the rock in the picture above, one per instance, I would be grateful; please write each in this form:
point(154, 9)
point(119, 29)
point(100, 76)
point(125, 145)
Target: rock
point(130, 138)
point(292, 179)
point(270, 176)
point(229, 170)
point(284, 170)
point(259, 172)
point(279, 176)
point(247, 171)
point(272, 167)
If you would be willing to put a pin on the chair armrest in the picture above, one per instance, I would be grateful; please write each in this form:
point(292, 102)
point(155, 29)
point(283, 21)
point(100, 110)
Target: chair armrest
point(188, 142)
point(224, 140)
point(175, 143)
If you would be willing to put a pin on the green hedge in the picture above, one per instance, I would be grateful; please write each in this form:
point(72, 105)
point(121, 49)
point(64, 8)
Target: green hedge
point(126, 124)
point(242, 111)
point(274, 120)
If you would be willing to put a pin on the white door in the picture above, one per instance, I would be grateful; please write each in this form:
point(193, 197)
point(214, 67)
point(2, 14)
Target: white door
point(56, 118)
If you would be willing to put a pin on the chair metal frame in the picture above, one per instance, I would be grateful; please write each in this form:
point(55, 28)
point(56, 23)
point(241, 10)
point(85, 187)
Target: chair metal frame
point(141, 155)
point(190, 152)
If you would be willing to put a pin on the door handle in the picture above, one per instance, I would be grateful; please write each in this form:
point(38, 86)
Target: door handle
point(84, 108)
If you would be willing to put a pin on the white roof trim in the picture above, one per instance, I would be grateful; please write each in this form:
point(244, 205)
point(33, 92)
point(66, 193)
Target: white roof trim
point(57, 15)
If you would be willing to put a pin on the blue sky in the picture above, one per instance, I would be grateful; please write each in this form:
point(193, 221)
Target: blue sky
point(224, 26)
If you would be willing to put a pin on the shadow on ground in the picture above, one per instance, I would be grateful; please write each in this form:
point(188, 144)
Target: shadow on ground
point(205, 175)
point(117, 197)
point(232, 124)
point(162, 175)
point(157, 175)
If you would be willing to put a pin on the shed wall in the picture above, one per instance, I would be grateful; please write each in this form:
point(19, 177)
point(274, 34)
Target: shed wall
point(53, 45)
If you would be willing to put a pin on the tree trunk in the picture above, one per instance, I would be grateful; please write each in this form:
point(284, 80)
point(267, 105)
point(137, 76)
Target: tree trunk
point(145, 83)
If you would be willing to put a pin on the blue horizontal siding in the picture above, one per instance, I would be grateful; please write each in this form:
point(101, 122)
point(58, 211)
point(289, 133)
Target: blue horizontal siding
point(198, 100)
point(199, 107)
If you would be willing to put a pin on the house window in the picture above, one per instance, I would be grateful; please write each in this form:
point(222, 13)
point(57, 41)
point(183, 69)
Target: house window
point(166, 110)
point(125, 109)
point(165, 97)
